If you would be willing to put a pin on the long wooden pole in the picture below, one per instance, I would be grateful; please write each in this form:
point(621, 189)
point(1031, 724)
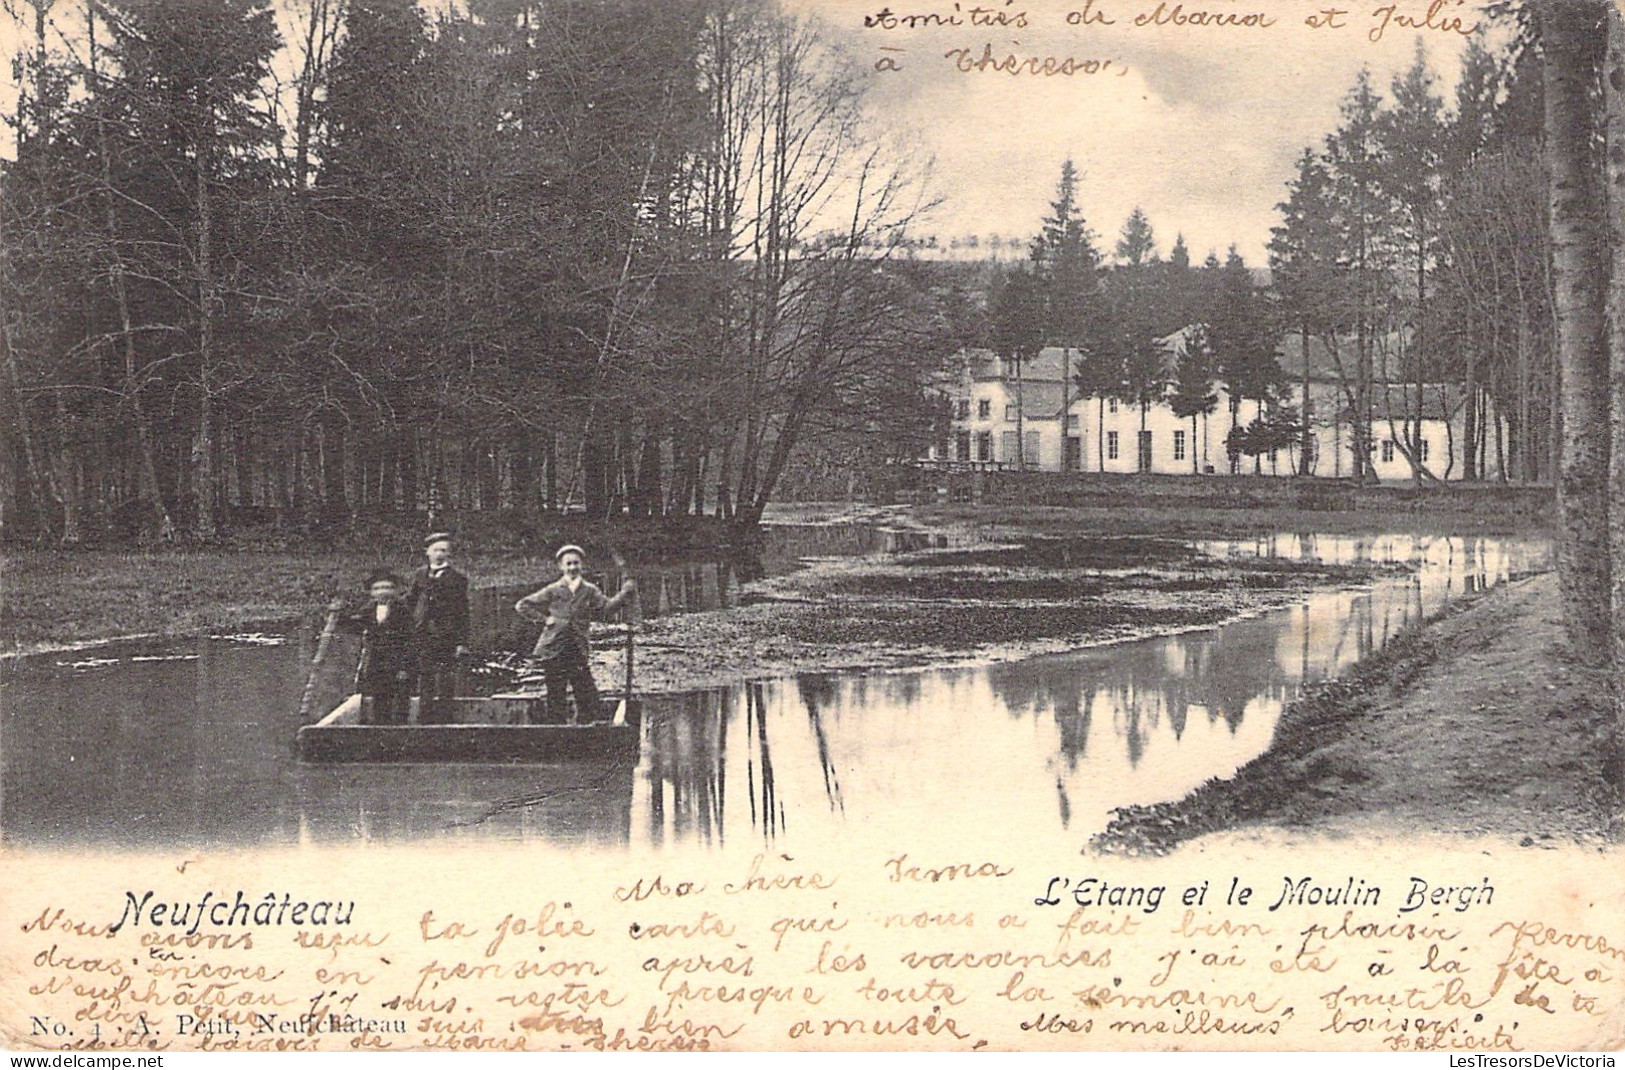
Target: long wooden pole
point(630, 613)
point(322, 644)
point(631, 629)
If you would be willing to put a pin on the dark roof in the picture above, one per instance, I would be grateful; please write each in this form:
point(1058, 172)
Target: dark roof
point(1043, 368)
point(1041, 401)
point(1439, 402)
point(1321, 364)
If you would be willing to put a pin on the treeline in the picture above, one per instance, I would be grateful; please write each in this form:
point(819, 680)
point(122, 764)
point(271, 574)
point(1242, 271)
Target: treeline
point(1413, 253)
point(1113, 316)
point(1413, 246)
point(337, 256)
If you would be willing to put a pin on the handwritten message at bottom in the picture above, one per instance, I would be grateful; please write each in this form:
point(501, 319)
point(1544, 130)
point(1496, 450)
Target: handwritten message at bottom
point(512, 948)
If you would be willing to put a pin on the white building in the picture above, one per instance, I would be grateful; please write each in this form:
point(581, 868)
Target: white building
point(1103, 435)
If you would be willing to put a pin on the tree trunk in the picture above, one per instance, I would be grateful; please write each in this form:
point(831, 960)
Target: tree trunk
point(1614, 109)
point(725, 478)
point(524, 473)
point(1305, 439)
point(1021, 437)
point(148, 485)
point(488, 477)
point(203, 520)
point(335, 450)
point(1100, 434)
point(1470, 421)
point(1571, 37)
point(33, 475)
point(1523, 442)
point(1418, 351)
point(69, 477)
point(651, 472)
point(550, 463)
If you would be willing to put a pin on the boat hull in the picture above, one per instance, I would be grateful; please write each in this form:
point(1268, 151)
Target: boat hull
point(489, 730)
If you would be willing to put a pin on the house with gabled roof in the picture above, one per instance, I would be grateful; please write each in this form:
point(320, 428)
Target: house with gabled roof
point(1009, 416)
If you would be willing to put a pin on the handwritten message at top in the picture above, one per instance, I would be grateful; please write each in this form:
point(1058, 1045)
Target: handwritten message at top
point(893, 26)
point(772, 951)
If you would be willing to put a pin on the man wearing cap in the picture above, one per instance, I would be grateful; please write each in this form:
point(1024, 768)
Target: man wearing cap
point(567, 608)
point(384, 674)
point(438, 601)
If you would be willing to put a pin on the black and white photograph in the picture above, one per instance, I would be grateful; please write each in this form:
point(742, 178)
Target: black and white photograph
point(1089, 525)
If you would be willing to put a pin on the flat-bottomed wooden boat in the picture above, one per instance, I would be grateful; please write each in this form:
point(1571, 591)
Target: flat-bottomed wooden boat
point(493, 728)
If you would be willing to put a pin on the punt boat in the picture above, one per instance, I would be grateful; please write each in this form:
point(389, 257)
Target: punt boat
point(493, 728)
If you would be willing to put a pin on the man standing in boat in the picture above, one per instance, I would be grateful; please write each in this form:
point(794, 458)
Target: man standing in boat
point(567, 608)
point(384, 675)
point(438, 600)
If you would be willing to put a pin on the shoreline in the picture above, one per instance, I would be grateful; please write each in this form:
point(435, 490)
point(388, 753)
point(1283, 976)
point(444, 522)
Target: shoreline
point(1471, 722)
point(1474, 722)
point(63, 600)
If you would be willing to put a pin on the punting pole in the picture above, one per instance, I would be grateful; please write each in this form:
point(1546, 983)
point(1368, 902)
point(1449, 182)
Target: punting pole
point(322, 644)
point(623, 710)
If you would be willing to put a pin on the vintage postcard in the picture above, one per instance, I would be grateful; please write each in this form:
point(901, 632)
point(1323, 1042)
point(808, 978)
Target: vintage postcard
point(809, 525)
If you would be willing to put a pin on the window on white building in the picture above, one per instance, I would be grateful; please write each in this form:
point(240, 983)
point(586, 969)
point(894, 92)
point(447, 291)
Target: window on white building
point(984, 408)
point(1179, 445)
point(1111, 443)
point(1072, 423)
point(1422, 451)
point(962, 410)
point(1111, 406)
point(1388, 451)
point(984, 445)
point(1009, 414)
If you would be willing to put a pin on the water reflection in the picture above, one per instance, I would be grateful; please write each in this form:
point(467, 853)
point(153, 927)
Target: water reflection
point(1052, 744)
point(194, 749)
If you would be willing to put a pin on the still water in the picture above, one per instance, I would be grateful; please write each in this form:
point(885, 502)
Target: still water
point(190, 744)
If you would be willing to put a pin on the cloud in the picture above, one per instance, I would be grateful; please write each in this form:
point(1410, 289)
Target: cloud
point(1202, 130)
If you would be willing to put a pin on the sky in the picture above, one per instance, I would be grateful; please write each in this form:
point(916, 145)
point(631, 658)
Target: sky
point(1202, 128)
point(1198, 125)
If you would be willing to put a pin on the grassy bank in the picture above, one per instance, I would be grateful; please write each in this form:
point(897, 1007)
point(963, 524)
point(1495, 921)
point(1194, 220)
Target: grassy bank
point(57, 597)
point(1476, 723)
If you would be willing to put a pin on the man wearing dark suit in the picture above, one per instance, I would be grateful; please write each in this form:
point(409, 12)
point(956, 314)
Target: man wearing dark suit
point(438, 601)
point(384, 674)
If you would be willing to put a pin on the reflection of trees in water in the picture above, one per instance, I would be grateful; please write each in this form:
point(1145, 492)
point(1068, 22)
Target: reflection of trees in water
point(769, 815)
point(684, 752)
point(818, 693)
point(1143, 684)
point(902, 688)
point(1238, 667)
point(781, 546)
point(687, 758)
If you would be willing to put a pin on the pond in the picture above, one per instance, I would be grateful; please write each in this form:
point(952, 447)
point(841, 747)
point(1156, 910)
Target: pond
point(190, 744)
